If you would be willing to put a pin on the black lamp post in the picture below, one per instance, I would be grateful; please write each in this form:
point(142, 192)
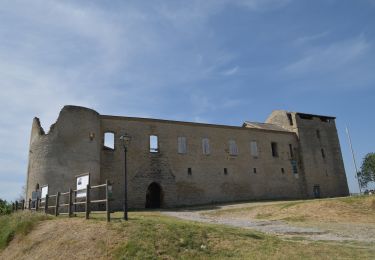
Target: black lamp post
point(125, 140)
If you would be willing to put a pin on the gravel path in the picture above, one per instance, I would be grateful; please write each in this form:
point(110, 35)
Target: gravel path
point(280, 228)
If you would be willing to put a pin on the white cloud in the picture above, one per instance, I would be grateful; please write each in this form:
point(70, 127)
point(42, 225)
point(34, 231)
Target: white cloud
point(231, 71)
point(329, 58)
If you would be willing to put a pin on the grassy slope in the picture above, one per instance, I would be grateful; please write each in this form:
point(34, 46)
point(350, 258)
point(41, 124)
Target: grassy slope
point(349, 209)
point(17, 224)
point(153, 236)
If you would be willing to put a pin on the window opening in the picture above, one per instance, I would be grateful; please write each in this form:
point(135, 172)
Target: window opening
point(290, 118)
point(189, 171)
point(274, 149)
point(225, 171)
point(233, 149)
point(254, 170)
point(323, 153)
point(282, 170)
point(254, 149)
point(154, 144)
point(181, 144)
point(291, 150)
point(109, 140)
point(206, 146)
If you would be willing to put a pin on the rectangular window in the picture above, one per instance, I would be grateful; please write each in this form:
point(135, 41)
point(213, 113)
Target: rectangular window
point(225, 171)
point(275, 152)
point(323, 153)
point(254, 170)
point(290, 118)
point(206, 146)
point(254, 149)
point(294, 166)
point(189, 171)
point(282, 170)
point(233, 149)
point(154, 144)
point(291, 150)
point(181, 144)
point(109, 140)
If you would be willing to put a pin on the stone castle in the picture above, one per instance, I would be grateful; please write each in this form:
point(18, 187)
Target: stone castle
point(171, 163)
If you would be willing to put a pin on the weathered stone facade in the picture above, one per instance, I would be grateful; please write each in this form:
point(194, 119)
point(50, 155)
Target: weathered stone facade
point(303, 161)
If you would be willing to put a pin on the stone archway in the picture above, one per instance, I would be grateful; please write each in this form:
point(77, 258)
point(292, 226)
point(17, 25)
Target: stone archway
point(154, 196)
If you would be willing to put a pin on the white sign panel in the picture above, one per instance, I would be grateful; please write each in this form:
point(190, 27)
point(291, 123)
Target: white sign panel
point(82, 182)
point(44, 192)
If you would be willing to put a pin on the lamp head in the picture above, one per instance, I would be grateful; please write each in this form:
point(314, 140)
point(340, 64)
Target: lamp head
point(125, 140)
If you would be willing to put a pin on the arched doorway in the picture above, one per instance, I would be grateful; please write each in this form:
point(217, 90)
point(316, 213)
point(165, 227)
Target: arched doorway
point(153, 196)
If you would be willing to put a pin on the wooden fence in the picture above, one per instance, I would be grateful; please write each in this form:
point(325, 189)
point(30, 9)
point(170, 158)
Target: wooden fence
point(52, 203)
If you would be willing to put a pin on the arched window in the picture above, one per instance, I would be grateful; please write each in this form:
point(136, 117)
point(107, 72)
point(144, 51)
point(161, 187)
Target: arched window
point(109, 140)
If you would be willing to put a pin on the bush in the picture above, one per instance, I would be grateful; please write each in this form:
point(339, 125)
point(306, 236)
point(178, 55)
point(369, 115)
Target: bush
point(5, 207)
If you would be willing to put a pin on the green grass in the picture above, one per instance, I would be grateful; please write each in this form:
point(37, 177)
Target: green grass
point(153, 236)
point(20, 223)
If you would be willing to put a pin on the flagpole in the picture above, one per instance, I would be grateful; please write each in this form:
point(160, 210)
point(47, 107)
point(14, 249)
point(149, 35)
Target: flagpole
point(354, 161)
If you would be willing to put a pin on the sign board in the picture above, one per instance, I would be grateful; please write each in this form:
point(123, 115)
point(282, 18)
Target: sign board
point(35, 195)
point(82, 182)
point(44, 192)
point(110, 191)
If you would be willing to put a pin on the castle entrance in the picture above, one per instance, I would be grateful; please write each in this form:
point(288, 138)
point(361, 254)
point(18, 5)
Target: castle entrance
point(153, 196)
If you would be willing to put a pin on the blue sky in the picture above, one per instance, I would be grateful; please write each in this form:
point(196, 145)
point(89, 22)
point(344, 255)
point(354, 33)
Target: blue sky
point(215, 61)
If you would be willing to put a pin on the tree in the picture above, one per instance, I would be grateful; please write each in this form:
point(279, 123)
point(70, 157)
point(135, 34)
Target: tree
point(5, 207)
point(367, 173)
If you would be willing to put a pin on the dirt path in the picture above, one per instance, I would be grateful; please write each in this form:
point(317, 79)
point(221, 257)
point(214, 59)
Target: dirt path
point(278, 227)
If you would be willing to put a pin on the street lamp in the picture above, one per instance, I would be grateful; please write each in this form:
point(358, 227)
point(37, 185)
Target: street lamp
point(125, 141)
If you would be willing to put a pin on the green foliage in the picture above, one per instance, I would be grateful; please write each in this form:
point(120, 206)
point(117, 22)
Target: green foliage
point(367, 173)
point(17, 223)
point(5, 207)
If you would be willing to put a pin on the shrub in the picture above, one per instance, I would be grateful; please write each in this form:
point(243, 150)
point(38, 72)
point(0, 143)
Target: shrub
point(5, 207)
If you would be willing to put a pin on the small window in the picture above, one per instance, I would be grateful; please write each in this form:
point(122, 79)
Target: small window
point(154, 144)
point(109, 140)
point(294, 166)
point(323, 153)
point(290, 118)
point(254, 149)
point(206, 146)
point(254, 170)
point(233, 149)
point(225, 171)
point(282, 170)
point(318, 133)
point(274, 149)
point(181, 141)
point(189, 171)
point(291, 150)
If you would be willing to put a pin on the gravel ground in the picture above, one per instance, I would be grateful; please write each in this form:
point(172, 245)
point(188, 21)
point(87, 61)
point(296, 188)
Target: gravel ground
point(280, 228)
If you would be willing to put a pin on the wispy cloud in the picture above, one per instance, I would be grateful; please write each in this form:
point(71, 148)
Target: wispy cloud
point(324, 59)
point(231, 71)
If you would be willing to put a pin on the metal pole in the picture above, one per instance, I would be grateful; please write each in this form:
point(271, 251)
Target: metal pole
point(354, 161)
point(126, 188)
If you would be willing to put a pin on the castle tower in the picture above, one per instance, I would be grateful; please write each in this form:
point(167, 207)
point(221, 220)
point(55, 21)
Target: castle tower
point(70, 148)
point(319, 151)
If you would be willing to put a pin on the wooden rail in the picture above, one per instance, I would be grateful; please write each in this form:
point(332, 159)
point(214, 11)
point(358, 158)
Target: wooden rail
point(44, 204)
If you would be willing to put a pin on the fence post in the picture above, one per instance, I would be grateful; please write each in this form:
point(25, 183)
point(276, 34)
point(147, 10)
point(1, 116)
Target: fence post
point(46, 204)
point(70, 203)
point(23, 204)
point(107, 201)
point(12, 206)
point(16, 205)
point(36, 205)
point(57, 204)
point(29, 204)
point(87, 201)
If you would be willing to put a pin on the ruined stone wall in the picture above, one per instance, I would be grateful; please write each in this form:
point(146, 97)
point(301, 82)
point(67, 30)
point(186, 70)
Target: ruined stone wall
point(67, 150)
point(207, 183)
